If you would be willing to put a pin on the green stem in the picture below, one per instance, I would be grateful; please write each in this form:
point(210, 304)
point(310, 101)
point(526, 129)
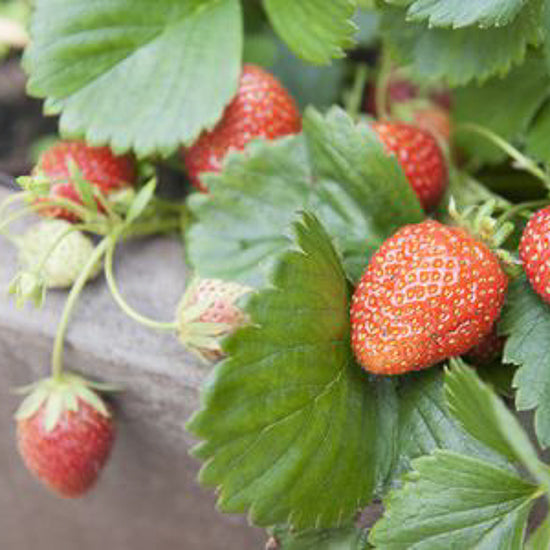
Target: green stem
point(150, 228)
point(354, 99)
point(80, 283)
point(524, 162)
point(37, 207)
point(518, 208)
point(111, 214)
point(382, 85)
point(111, 281)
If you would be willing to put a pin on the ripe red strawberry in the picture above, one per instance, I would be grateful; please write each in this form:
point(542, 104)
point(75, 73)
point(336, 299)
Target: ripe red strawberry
point(420, 157)
point(534, 252)
point(98, 165)
point(207, 312)
point(430, 292)
point(64, 435)
point(261, 108)
point(489, 349)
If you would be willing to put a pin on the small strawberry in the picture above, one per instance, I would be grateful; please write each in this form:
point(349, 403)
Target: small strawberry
point(400, 89)
point(420, 157)
point(97, 165)
point(534, 252)
point(57, 251)
point(486, 351)
point(261, 108)
point(207, 312)
point(430, 292)
point(65, 434)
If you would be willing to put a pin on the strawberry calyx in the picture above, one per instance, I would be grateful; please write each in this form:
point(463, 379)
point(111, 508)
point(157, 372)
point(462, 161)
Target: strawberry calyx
point(479, 221)
point(59, 394)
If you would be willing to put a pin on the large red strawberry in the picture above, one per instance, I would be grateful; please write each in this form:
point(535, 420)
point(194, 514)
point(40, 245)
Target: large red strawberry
point(534, 252)
point(488, 350)
point(207, 312)
point(420, 157)
point(430, 292)
point(261, 108)
point(65, 434)
point(106, 172)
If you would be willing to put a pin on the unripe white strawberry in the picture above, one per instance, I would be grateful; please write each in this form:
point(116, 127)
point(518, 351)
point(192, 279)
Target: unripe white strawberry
point(207, 312)
point(67, 252)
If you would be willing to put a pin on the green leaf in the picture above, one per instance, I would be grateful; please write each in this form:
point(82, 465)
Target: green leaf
point(529, 81)
point(83, 186)
point(347, 538)
point(545, 24)
point(426, 424)
point(457, 13)
point(316, 30)
point(537, 143)
point(462, 55)
point(289, 420)
point(338, 170)
point(140, 74)
point(487, 419)
point(319, 86)
point(141, 201)
point(454, 501)
point(526, 321)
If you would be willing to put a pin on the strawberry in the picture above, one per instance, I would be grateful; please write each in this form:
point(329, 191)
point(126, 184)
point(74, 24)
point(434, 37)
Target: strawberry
point(486, 351)
point(402, 90)
point(430, 292)
point(98, 165)
point(261, 108)
point(420, 157)
point(207, 312)
point(67, 252)
point(534, 252)
point(65, 434)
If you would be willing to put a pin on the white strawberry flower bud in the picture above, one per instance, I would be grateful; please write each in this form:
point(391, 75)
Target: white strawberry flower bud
point(56, 251)
point(208, 312)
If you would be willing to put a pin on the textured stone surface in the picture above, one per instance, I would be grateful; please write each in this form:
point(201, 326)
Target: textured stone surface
point(147, 497)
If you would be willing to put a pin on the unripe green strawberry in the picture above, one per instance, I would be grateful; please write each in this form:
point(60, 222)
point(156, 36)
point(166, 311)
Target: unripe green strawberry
point(420, 157)
point(65, 434)
point(69, 252)
point(99, 166)
point(207, 312)
point(262, 108)
point(534, 252)
point(429, 293)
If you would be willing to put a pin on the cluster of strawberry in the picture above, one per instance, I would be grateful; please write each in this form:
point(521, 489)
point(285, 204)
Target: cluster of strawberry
point(429, 293)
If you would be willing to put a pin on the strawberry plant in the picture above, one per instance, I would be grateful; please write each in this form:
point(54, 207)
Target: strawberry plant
point(364, 203)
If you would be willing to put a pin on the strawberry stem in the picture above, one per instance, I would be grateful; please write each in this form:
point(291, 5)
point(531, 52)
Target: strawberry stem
point(62, 203)
point(80, 283)
point(113, 287)
point(523, 162)
point(355, 94)
point(519, 208)
point(382, 84)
